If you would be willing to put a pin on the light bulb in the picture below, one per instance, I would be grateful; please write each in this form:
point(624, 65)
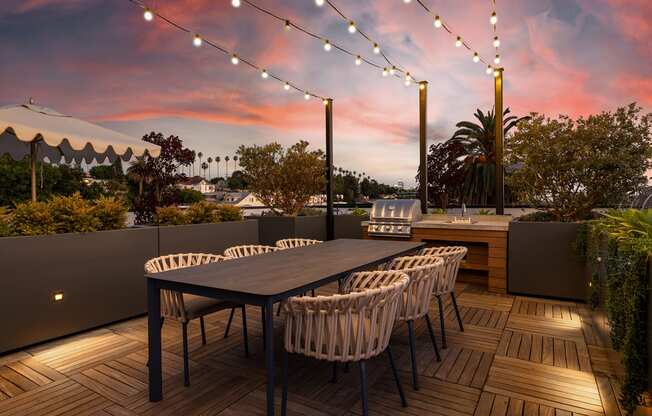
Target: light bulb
point(288, 26)
point(407, 82)
point(327, 46)
point(325, 101)
point(376, 49)
point(496, 42)
point(496, 73)
point(306, 96)
point(286, 86)
point(197, 41)
point(392, 70)
point(148, 15)
point(264, 74)
point(385, 72)
point(497, 59)
point(422, 87)
point(494, 19)
point(235, 3)
point(319, 2)
point(458, 42)
point(235, 60)
point(408, 79)
point(407, 1)
point(352, 28)
point(489, 70)
point(476, 57)
point(437, 22)
point(358, 60)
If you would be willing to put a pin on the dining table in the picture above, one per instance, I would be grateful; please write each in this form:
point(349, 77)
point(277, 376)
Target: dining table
point(264, 280)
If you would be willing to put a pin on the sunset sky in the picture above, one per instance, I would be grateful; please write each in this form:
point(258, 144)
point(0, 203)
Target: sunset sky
point(99, 60)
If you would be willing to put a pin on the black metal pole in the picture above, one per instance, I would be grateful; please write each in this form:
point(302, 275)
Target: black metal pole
point(423, 165)
point(500, 171)
point(330, 220)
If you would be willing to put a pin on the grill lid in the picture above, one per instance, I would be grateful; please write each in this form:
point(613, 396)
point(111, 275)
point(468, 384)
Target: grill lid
point(396, 209)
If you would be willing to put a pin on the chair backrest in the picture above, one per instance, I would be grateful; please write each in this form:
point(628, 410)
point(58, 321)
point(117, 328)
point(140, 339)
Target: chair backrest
point(453, 256)
point(424, 273)
point(350, 327)
point(248, 250)
point(296, 242)
point(172, 302)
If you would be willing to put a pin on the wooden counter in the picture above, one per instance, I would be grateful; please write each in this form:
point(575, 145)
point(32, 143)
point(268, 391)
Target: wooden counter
point(486, 262)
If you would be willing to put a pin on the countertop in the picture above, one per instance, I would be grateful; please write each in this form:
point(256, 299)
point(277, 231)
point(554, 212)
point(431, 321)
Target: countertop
point(480, 222)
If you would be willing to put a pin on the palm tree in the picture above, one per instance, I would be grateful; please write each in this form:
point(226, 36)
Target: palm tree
point(138, 172)
point(200, 155)
point(226, 160)
point(217, 161)
point(204, 166)
point(210, 161)
point(478, 141)
point(235, 163)
point(194, 158)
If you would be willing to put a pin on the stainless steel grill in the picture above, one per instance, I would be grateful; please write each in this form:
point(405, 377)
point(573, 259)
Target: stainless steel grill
point(394, 217)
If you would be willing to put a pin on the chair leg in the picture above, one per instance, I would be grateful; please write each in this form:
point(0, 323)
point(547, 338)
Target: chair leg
point(203, 330)
point(262, 310)
point(432, 337)
point(244, 331)
point(284, 397)
point(364, 388)
point(278, 310)
point(413, 355)
point(457, 311)
point(396, 378)
point(313, 293)
point(186, 370)
point(228, 324)
point(441, 323)
point(334, 377)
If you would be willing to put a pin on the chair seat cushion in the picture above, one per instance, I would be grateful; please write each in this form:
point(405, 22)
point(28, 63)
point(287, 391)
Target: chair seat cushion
point(197, 306)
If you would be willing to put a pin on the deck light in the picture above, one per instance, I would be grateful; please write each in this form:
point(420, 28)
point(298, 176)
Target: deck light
point(437, 22)
point(358, 60)
point(476, 57)
point(264, 74)
point(197, 41)
point(148, 15)
point(57, 296)
point(234, 59)
point(496, 42)
point(376, 49)
point(494, 18)
point(458, 42)
point(352, 28)
point(327, 45)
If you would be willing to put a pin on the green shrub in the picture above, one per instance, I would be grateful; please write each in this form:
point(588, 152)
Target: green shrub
point(485, 212)
point(228, 213)
point(170, 216)
point(110, 212)
point(190, 196)
point(310, 212)
point(32, 218)
point(360, 212)
point(72, 214)
point(439, 211)
point(5, 229)
point(202, 213)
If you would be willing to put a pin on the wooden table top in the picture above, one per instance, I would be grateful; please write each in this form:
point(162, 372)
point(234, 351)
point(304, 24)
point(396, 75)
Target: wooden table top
point(273, 274)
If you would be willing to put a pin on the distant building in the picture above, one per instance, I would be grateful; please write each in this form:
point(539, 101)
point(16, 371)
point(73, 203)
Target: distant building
point(197, 183)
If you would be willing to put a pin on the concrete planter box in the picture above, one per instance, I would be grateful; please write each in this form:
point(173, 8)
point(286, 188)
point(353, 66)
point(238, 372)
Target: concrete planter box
point(543, 262)
point(206, 238)
point(348, 226)
point(100, 275)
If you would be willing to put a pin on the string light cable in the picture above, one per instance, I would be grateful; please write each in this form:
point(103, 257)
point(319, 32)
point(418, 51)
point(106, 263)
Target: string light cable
point(198, 41)
point(493, 20)
point(328, 45)
point(439, 23)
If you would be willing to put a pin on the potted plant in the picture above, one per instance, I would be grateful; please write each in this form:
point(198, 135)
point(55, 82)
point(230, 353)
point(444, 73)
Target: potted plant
point(566, 169)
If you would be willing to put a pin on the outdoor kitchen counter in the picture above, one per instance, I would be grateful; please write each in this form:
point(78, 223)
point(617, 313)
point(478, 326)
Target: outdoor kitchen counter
point(486, 239)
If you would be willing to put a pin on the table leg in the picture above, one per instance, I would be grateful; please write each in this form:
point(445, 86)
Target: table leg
point(269, 355)
point(154, 341)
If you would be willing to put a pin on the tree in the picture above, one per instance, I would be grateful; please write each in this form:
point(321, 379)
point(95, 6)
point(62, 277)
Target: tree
point(478, 141)
point(235, 163)
point(226, 161)
point(568, 167)
point(284, 180)
point(237, 180)
point(108, 172)
point(139, 173)
point(210, 162)
point(217, 161)
point(446, 172)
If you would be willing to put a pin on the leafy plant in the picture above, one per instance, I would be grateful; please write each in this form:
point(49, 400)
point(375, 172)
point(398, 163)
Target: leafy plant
point(72, 214)
point(360, 212)
point(32, 218)
point(485, 212)
point(202, 213)
point(568, 167)
point(228, 213)
point(5, 229)
point(170, 216)
point(111, 213)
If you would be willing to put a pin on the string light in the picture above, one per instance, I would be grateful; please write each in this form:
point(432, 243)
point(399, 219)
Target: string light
point(422, 87)
point(489, 70)
point(392, 70)
point(306, 96)
point(319, 2)
point(352, 28)
point(385, 72)
point(235, 3)
point(407, 1)
point(497, 59)
point(325, 101)
point(327, 45)
point(496, 73)
point(376, 49)
point(437, 22)
point(408, 79)
point(234, 58)
point(458, 42)
point(496, 42)
point(148, 15)
point(476, 57)
point(493, 19)
point(358, 60)
point(288, 25)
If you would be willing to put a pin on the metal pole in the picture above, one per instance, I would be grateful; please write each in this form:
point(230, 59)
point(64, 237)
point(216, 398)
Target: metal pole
point(330, 220)
point(500, 171)
point(32, 155)
point(423, 164)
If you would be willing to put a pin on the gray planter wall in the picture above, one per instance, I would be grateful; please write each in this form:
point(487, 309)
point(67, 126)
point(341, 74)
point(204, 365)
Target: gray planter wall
point(100, 274)
point(542, 261)
point(348, 226)
point(207, 238)
point(272, 229)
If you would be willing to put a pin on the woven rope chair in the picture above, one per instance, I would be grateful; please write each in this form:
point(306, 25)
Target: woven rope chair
point(453, 256)
point(352, 327)
point(424, 272)
point(248, 250)
point(296, 242)
point(183, 307)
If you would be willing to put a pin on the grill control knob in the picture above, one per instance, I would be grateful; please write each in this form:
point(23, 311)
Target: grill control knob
point(399, 228)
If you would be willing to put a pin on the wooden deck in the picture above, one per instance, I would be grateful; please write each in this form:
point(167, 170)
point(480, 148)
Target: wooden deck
point(517, 356)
